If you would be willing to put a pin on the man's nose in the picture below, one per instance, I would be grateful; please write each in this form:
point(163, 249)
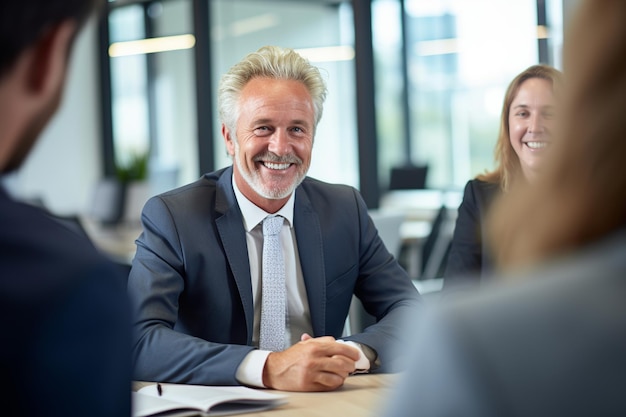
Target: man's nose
point(280, 143)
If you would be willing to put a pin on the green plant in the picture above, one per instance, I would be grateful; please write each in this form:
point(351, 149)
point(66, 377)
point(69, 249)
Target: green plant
point(135, 169)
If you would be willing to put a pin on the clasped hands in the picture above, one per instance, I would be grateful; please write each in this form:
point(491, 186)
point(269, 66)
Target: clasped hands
point(313, 364)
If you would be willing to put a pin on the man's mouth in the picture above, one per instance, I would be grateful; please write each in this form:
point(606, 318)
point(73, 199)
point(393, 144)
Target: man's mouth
point(275, 166)
point(277, 163)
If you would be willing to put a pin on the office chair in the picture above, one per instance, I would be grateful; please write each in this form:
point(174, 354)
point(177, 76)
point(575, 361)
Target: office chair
point(107, 205)
point(388, 225)
point(436, 246)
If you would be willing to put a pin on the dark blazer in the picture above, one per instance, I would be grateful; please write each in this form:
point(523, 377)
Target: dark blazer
point(190, 279)
point(552, 344)
point(470, 257)
point(65, 348)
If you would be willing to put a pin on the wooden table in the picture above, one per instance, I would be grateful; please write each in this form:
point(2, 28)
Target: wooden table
point(361, 396)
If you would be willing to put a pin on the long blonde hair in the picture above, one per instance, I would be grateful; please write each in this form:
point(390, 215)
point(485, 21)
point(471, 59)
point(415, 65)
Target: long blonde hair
point(582, 196)
point(508, 168)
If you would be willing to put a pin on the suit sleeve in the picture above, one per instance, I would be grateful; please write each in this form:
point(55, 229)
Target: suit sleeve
point(465, 258)
point(386, 293)
point(66, 327)
point(156, 282)
point(83, 365)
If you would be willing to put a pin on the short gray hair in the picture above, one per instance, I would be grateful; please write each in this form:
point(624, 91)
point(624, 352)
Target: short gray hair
point(268, 62)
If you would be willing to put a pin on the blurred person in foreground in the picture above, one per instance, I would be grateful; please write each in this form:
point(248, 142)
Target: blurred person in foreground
point(549, 338)
point(526, 132)
point(65, 349)
point(196, 279)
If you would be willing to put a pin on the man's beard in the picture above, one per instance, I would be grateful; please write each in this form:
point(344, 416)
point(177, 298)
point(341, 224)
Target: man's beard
point(255, 181)
point(31, 133)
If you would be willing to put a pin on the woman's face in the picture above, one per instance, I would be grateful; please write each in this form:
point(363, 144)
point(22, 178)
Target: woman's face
point(531, 120)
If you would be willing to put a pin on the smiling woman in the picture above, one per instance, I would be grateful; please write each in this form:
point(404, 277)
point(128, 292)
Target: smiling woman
point(531, 118)
point(526, 124)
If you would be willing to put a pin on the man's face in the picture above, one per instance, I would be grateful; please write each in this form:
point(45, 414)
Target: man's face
point(34, 88)
point(274, 140)
point(31, 133)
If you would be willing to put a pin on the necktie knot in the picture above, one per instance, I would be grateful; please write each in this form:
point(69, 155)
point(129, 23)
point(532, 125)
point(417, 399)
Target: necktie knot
point(272, 225)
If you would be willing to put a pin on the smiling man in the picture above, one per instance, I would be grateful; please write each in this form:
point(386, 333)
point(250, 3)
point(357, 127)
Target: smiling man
point(198, 281)
point(276, 127)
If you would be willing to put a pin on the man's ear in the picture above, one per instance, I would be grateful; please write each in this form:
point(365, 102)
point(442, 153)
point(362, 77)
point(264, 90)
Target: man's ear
point(230, 146)
point(49, 59)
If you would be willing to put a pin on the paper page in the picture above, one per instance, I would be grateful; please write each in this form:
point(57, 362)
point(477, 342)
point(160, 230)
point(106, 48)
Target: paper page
point(217, 400)
point(148, 405)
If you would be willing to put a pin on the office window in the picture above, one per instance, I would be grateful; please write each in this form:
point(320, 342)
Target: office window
point(129, 86)
point(438, 86)
point(153, 96)
point(460, 57)
point(153, 89)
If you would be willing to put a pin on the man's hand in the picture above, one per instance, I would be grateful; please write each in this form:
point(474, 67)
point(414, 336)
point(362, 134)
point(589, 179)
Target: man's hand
point(313, 364)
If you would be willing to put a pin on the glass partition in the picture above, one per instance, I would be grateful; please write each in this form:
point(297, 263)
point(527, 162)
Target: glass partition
point(153, 90)
point(460, 57)
point(438, 88)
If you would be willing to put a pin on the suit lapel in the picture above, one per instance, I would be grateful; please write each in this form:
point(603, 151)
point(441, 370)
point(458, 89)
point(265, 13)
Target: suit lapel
point(310, 245)
point(233, 237)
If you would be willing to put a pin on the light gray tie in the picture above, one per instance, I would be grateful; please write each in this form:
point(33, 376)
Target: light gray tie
point(273, 294)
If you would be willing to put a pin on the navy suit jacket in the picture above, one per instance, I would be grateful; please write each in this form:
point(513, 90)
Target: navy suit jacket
point(190, 279)
point(470, 256)
point(65, 348)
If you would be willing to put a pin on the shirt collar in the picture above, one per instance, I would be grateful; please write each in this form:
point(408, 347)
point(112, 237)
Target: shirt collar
point(253, 215)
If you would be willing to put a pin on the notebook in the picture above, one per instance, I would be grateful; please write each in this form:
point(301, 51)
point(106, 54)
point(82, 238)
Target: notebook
point(200, 400)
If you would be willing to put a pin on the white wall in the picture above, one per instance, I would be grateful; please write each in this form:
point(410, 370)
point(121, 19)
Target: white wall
point(65, 163)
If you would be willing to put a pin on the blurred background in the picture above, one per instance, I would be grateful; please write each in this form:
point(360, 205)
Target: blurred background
point(415, 94)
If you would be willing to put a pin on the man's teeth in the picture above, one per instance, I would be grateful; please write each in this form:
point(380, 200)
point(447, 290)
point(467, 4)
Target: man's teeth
point(536, 145)
point(271, 165)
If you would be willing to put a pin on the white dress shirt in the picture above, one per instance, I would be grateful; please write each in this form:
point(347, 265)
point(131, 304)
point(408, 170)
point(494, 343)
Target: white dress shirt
point(250, 371)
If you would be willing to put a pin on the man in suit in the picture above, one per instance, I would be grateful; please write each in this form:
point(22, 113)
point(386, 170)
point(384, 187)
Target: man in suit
point(65, 314)
point(196, 278)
